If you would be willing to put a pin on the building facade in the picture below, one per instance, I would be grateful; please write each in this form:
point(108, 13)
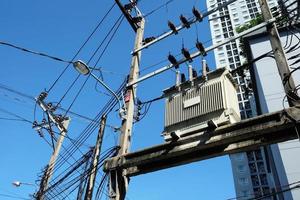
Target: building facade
point(270, 97)
point(252, 171)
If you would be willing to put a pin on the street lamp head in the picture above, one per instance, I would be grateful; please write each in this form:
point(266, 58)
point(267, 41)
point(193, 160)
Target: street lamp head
point(81, 67)
point(17, 183)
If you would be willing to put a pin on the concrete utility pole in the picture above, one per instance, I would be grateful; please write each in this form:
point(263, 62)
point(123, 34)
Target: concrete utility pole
point(279, 55)
point(62, 125)
point(119, 182)
point(94, 165)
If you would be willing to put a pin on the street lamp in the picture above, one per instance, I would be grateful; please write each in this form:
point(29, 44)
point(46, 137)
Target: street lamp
point(84, 69)
point(18, 184)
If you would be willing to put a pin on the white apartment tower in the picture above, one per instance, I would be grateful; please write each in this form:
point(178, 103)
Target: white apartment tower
point(252, 172)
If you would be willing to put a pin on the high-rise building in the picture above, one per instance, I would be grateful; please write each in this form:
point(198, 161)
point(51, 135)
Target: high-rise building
point(252, 171)
point(270, 97)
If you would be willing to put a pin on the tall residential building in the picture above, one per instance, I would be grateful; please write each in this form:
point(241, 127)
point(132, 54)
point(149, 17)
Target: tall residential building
point(253, 174)
point(270, 97)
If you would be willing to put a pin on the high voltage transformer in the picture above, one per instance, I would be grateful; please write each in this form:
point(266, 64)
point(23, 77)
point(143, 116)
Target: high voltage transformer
point(200, 103)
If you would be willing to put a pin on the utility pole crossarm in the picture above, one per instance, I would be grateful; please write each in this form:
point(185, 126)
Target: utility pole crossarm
point(180, 27)
point(198, 53)
point(62, 125)
point(239, 137)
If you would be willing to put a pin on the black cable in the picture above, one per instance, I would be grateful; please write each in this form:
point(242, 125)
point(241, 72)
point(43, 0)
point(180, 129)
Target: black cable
point(157, 8)
point(120, 20)
point(76, 79)
point(105, 38)
point(275, 193)
point(21, 94)
point(35, 52)
point(82, 46)
point(72, 182)
point(81, 88)
point(12, 119)
point(100, 192)
point(15, 115)
point(69, 89)
point(13, 197)
point(152, 100)
point(92, 126)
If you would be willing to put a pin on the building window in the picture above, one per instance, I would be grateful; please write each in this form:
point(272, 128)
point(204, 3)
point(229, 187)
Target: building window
point(241, 168)
point(245, 193)
point(247, 105)
point(243, 181)
point(263, 179)
point(241, 106)
point(257, 192)
point(252, 168)
point(266, 190)
point(250, 156)
point(239, 157)
point(261, 167)
point(258, 154)
point(243, 116)
point(222, 61)
point(255, 180)
point(249, 113)
point(239, 97)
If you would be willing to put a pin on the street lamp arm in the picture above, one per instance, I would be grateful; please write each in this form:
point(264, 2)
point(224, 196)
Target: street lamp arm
point(108, 88)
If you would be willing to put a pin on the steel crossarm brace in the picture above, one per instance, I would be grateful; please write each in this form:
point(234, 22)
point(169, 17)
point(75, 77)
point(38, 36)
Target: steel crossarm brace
point(242, 136)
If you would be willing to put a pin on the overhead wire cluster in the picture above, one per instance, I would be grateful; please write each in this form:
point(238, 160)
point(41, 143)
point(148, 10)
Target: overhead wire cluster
point(67, 156)
point(72, 182)
point(289, 11)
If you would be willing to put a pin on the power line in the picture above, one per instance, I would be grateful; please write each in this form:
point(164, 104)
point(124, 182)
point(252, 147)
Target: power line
point(80, 116)
point(35, 52)
point(82, 46)
point(91, 127)
point(158, 8)
point(117, 24)
point(15, 115)
point(116, 27)
point(13, 197)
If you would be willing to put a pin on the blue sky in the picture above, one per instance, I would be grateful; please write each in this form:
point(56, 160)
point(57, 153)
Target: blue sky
point(59, 28)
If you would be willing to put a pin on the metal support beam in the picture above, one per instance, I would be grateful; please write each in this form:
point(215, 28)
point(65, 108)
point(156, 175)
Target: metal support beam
point(198, 53)
point(242, 136)
point(194, 20)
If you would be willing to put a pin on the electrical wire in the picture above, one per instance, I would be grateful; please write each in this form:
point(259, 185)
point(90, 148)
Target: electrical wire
point(92, 126)
point(157, 8)
point(82, 46)
point(21, 94)
point(15, 115)
point(35, 52)
point(117, 25)
point(13, 197)
point(111, 152)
